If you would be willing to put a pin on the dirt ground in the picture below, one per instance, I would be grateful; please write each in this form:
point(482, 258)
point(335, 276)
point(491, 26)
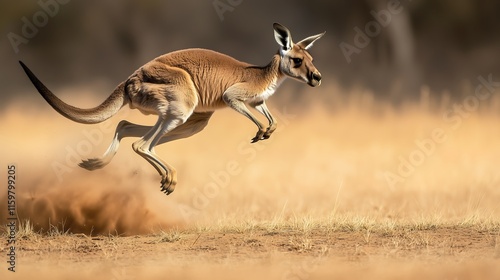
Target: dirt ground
point(444, 253)
point(362, 192)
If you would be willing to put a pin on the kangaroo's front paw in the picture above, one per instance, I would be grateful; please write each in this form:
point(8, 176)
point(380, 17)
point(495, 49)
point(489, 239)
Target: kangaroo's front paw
point(269, 131)
point(259, 135)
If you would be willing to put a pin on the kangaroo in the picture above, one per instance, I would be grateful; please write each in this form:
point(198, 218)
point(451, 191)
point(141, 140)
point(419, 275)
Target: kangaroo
point(184, 88)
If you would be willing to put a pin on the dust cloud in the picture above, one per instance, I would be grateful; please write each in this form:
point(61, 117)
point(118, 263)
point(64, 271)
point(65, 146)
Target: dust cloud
point(115, 200)
point(96, 206)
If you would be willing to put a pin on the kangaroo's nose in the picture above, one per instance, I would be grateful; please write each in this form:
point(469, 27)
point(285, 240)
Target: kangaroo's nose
point(316, 76)
point(314, 79)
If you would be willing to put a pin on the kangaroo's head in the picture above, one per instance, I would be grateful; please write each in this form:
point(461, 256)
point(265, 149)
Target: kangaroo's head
point(296, 62)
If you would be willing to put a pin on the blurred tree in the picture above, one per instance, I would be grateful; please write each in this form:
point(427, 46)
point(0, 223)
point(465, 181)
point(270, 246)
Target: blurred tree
point(400, 38)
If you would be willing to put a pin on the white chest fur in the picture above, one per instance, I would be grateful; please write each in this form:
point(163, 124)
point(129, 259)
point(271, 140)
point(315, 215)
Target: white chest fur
point(273, 86)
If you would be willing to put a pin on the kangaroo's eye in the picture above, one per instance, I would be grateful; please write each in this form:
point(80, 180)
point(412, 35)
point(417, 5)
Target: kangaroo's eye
point(297, 61)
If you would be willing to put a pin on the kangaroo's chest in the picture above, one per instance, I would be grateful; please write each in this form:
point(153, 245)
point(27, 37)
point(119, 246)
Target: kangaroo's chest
point(267, 92)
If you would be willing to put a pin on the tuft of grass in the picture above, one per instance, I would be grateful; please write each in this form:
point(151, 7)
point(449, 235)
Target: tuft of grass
point(300, 244)
point(26, 231)
point(168, 236)
point(55, 231)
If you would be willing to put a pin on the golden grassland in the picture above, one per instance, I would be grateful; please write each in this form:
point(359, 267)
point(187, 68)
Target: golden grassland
point(363, 190)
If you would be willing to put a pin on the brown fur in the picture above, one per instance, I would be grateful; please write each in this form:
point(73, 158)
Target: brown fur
point(184, 88)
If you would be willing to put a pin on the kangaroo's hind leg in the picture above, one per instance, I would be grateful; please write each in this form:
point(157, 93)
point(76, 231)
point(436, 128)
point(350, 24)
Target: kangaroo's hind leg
point(195, 123)
point(145, 148)
point(171, 94)
point(124, 129)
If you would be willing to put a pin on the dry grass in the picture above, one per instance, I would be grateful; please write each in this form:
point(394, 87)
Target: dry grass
point(312, 202)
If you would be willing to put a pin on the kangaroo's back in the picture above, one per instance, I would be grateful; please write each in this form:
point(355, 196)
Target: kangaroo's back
point(211, 72)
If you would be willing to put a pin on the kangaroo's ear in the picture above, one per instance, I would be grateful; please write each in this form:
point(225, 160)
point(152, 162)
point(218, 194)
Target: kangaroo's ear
point(282, 36)
point(309, 41)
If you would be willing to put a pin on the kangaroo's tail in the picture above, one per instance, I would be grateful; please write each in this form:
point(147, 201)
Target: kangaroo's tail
point(107, 109)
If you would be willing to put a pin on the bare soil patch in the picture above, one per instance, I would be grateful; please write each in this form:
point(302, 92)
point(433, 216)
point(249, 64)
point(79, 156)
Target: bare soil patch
point(457, 252)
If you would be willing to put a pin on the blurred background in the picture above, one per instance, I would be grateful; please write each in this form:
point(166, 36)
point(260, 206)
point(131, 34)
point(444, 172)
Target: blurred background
point(442, 45)
point(390, 70)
